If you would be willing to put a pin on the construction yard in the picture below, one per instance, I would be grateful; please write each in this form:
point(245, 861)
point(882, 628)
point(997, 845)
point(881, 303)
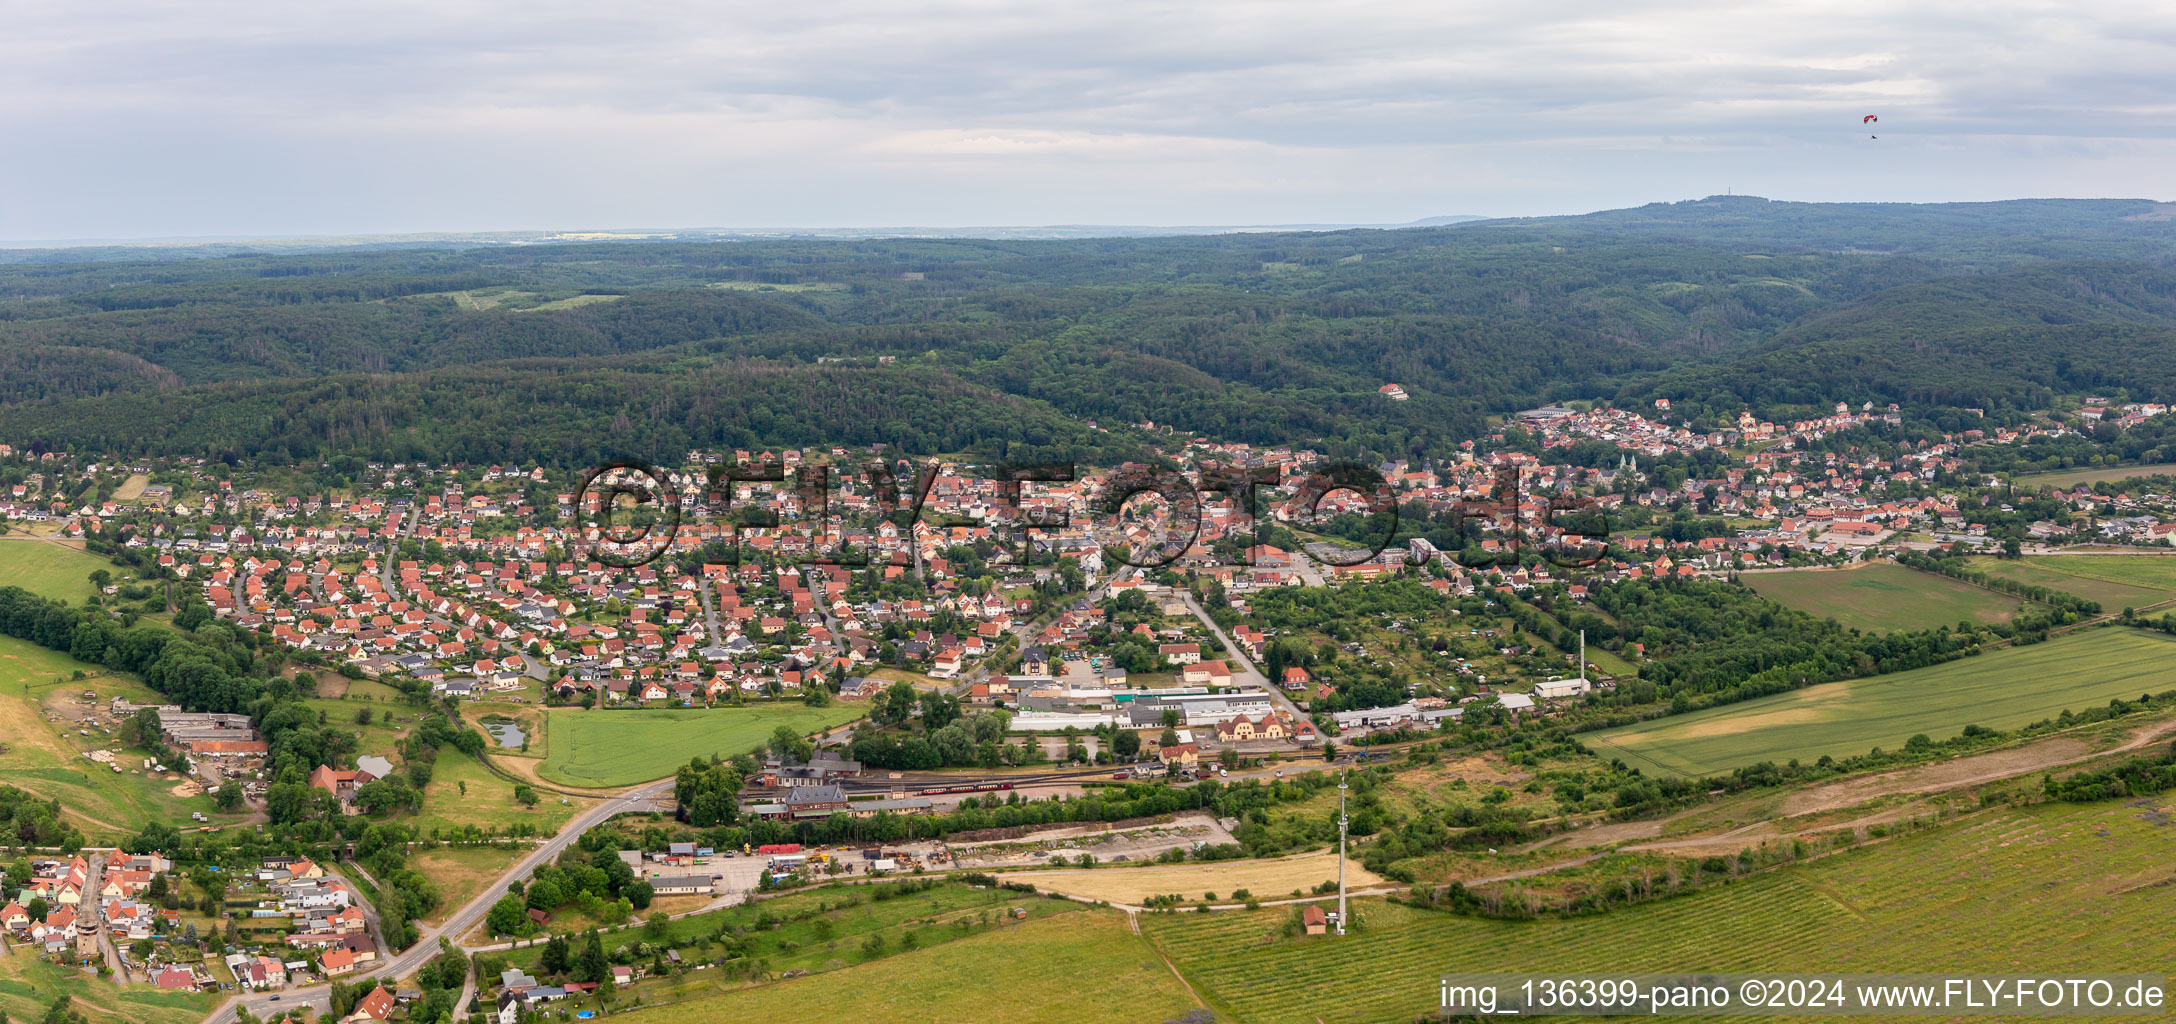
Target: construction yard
point(1106, 845)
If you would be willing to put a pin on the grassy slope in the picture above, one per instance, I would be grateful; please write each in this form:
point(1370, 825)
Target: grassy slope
point(2001, 689)
point(618, 748)
point(2116, 581)
point(795, 943)
point(2068, 478)
point(46, 760)
point(1085, 966)
point(1880, 598)
point(28, 985)
point(54, 570)
point(2012, 891)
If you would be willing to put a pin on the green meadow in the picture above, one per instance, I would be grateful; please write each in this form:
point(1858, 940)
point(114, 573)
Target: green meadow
point(595, 749)
point(2001, 689)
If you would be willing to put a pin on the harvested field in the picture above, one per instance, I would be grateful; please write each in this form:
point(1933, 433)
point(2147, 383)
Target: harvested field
point(1266, 879)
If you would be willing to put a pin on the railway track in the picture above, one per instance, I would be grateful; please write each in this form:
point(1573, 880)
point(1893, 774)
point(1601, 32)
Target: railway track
point(931, 785)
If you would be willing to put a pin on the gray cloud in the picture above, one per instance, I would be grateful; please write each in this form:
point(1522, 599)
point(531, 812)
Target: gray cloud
point(140, 118)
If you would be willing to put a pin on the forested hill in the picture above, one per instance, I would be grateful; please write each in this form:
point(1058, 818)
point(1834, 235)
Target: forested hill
point(563, 353)
point(1957, 233)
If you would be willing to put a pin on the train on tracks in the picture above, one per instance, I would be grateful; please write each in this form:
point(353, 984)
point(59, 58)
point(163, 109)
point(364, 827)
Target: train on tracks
point(986, 787)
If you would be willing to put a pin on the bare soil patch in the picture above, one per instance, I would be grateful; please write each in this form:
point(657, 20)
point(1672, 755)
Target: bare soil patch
point(1119, 845)
point(1265, 879)
point(1962, 771)
point(1600, 835)
point(1732, 726)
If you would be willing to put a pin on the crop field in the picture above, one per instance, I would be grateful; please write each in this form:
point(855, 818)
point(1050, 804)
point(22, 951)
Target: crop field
point(1266, 879)
point(53, 569)
point(2116, 581)
point(765, 286)
point(516, 300)
point(2059, 887)
point(1880, 597)
point(2002, 689)
point(2068, 478)
point(620, 748)
point(1086, 966)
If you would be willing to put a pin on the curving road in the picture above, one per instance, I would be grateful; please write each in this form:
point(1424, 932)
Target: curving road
point(638, 800)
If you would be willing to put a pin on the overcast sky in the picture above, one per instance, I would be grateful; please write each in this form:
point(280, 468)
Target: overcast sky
point(143, 119)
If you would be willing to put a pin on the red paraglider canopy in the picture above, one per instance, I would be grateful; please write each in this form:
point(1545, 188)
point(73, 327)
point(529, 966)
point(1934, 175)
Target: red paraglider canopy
point(1868, 119)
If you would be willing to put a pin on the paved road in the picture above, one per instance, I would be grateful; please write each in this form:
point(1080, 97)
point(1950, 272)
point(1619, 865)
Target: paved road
point(1310, 573)
point(401, 526)
point(1247, 673)
point(655, 796)
point(703, 587)
point(88, 924)
point(1025, 631)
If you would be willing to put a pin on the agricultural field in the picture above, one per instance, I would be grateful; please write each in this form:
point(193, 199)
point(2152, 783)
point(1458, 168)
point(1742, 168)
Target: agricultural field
point(1265, 879)
point(619, 748)
point(1086, 966)
point(1880, 597)
point(765, 286)
point(464, 793)
point(515, 300)
point(51, 568)
point(2068, 478)
point(132, 488)
point(2116, 581)
point(2001, 689)
point(45, 756)
point(2064, 887)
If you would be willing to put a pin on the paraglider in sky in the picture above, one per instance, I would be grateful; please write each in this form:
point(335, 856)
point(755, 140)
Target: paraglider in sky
point(1870, 119)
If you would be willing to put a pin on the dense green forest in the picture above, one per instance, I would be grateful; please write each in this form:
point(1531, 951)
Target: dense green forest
point(563, 353)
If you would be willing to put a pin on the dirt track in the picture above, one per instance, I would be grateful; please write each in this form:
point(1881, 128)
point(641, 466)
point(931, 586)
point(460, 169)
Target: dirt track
point(1993, 766)
point(2041, 755)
